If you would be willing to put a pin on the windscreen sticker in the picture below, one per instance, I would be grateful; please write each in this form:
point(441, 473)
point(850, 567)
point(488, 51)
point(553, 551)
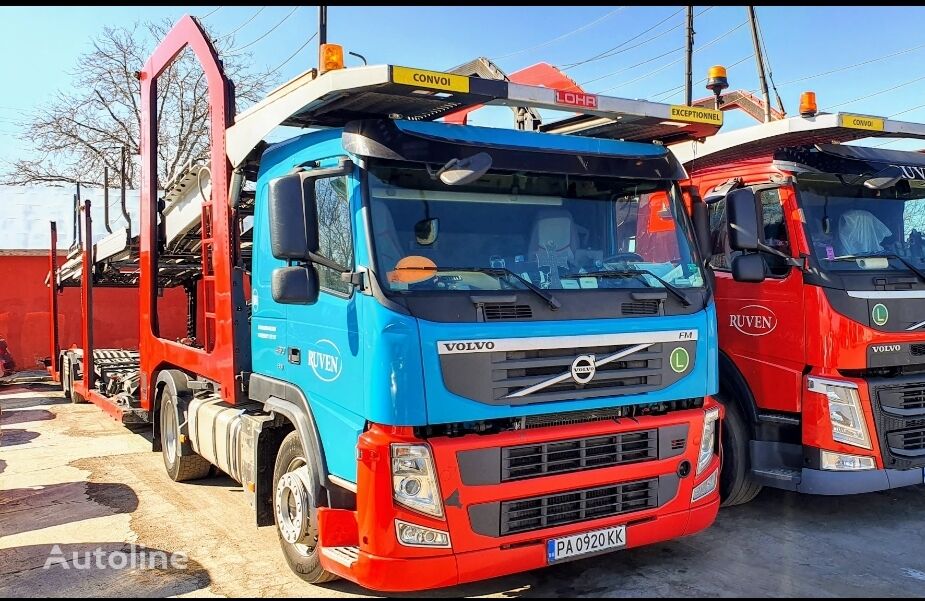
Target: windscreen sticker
point(879, 314)
point(829, 253)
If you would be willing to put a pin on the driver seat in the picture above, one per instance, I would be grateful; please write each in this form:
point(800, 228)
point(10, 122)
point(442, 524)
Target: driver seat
point(553, 232)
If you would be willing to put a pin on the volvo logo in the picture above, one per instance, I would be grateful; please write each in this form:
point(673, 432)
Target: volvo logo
point(886, 348)
point(583, 369)
point(455, 347)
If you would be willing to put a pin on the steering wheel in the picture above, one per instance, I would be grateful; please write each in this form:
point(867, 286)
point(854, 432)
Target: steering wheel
point(624, 257)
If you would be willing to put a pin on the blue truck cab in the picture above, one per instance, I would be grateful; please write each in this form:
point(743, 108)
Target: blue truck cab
point(503, 339)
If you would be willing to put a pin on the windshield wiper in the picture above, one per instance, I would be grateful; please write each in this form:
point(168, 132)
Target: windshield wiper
point(636, 273)
point(912, 268)
point(499, 272)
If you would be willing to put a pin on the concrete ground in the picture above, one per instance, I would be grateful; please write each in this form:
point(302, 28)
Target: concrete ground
point(73, 480)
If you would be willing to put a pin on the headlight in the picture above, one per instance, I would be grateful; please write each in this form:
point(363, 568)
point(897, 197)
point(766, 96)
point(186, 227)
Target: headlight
point(707, 439)
point(414, 480)
point(843, 462)
point(848, 424)
point(705, 487)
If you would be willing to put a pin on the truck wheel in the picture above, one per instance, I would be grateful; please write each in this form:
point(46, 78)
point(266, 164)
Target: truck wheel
point(294, 511)
point(735, 483)
point(64, 373)
point(180, 468)
point(72, 394)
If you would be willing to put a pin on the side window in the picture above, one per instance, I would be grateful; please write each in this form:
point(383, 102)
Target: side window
point(335, 233)
point(774, 230)
point(721, 257)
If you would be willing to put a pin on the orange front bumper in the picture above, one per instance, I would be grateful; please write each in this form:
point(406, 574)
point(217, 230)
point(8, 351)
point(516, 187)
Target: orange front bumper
point(362, 545)
point(412, 574)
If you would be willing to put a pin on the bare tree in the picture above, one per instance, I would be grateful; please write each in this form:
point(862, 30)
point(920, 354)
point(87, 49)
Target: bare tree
point(82, 128)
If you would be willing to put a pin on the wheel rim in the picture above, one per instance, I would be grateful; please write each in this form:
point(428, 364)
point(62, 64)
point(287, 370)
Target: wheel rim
point(169, 430)
point(293, 508)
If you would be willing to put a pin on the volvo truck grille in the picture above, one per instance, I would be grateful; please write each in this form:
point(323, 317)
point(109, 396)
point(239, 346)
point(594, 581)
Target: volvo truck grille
point(900, 416)
point(578, 454)
point(577, 506)
point(495, 465)
point(572, 506)
point(522, 371)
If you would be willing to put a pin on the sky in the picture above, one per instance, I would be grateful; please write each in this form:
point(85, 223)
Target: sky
point(40, 46)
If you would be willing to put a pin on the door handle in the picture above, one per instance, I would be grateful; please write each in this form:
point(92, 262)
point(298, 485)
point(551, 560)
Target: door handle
point(295, 356)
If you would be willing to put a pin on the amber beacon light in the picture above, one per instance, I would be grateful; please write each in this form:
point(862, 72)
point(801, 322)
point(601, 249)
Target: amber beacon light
point(331, 57)
point(717, 82)
point(808, 104)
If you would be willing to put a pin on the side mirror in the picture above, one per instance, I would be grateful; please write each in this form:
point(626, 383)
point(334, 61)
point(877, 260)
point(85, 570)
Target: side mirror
point(700, 215)
point(295, 285)
point(742, 217)
point(293, 217)
point(748, 268)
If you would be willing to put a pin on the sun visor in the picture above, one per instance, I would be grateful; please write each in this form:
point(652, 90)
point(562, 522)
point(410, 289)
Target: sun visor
point(857, 160)
point(510, 150)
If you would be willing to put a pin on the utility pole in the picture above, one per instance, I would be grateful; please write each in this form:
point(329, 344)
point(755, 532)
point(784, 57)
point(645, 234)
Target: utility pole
point(688, 95)
point(759, 61)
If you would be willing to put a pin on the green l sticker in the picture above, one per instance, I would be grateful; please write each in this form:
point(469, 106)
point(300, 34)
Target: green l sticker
point(879, 314)
point(679, 360)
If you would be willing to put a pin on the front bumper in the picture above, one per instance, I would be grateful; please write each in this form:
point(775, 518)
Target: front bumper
point(825, 482)
point(485, 540)
point(410, 574)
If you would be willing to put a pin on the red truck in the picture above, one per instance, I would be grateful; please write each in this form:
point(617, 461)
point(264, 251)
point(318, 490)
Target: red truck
point(819, 267)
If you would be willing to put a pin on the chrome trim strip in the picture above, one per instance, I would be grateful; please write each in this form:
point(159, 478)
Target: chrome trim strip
point(568, 373)
point(345, 484)
point(447, 347)
point(916, 326)
point(813, 381)
point(886, 293)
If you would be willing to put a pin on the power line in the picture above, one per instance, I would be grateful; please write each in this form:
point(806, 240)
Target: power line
point(906, 111)
point(631, 67)
point(851, 66)
point(624, 43)
point(614, 52)
point(665, 66)
point(291, 56)
point(210, 13)
point(564, 35)
point(234, 51)
point(238, 28)
point(866, 96)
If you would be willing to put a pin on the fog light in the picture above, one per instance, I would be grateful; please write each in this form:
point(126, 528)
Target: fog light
point(705, 487)
point(412, 535)
point(844, 463)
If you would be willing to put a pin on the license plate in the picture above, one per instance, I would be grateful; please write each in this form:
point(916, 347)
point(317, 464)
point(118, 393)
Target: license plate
point(567, 547)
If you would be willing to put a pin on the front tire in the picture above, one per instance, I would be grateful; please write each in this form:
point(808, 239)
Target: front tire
point(179, 467)
point(72, 394)
point(736, 485)
point(295, 510)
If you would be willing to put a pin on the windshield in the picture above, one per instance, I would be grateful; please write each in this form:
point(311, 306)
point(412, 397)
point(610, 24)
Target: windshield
point(847, 221)
point(521, 230)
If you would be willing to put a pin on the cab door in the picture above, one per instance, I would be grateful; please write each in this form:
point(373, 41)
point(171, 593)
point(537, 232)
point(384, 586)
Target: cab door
point(323, 340)
point(761, 324)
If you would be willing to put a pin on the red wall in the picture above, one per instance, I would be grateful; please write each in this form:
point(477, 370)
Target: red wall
point(24, 312)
